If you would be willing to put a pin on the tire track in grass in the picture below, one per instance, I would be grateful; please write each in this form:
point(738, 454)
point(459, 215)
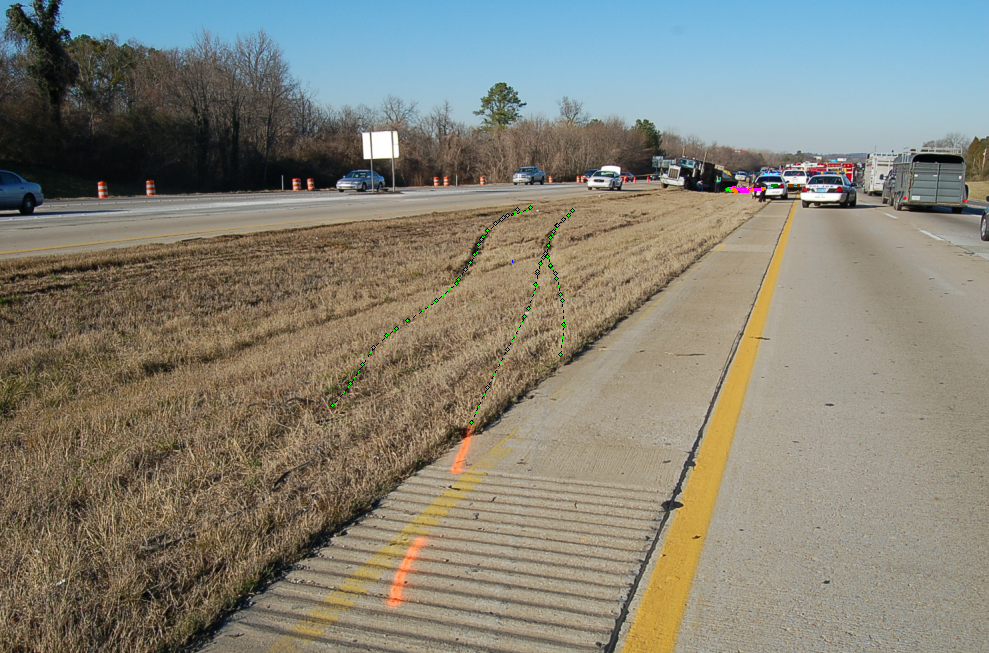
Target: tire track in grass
point(544, 259)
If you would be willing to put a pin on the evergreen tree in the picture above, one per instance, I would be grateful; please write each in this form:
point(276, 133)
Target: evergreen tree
point(500, 107)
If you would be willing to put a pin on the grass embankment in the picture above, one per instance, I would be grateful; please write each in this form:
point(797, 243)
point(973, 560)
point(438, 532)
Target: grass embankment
point(978, 190)
point(166, 437)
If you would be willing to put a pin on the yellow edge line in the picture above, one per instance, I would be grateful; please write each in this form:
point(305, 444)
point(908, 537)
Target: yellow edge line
point(330, 609)
point(657, 620)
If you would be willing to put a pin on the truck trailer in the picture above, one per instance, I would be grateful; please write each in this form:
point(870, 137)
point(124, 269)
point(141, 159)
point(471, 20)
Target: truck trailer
point(927, 177)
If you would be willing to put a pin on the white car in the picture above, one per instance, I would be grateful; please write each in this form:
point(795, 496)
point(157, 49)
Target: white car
point(828, 189)
point(795, 179)
point(774, 185)
point(608, 177)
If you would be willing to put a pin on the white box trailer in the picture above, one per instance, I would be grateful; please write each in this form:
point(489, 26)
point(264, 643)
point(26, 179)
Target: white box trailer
point(877, 168)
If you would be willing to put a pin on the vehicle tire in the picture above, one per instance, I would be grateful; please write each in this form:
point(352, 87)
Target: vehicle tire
point(380, 185)
point(666, 185)
point(542, 182)
point(885, 201)
point(363, 187)
point(854, 202)
point(786, 196)
point(27, 205)
point(340, 189)
point(895, 203)
point(805, 204)
point(956, 209)
point(984, 228)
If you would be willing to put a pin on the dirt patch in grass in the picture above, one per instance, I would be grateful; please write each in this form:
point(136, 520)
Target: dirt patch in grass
point(166, 434)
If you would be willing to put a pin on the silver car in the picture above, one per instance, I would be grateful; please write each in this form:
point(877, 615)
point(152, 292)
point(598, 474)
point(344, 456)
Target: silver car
point(361, 180)
point(608, 177)
point(17, 193)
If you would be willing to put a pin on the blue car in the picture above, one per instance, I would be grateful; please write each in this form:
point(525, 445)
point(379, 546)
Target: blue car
point(361, 180)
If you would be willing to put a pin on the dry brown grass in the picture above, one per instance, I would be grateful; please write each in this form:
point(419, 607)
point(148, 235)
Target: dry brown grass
point(166, 439)
point(978, 190)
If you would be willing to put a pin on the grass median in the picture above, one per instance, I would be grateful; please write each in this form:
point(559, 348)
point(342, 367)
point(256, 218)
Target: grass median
point(167, 439)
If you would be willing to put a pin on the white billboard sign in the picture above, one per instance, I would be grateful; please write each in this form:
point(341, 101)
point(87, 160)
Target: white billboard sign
point(380, 145)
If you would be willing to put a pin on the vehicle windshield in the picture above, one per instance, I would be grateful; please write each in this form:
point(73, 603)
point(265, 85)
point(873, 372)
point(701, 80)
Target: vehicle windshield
point(826, 180)
point(606, 173)
point(770, 179)
point(357, 175)
point(527, 169)
point(793, 173)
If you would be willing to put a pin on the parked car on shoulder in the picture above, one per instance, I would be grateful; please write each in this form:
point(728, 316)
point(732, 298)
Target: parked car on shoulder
point(628, 177)
point(608, 178)
point(828, 189)
point(587, 175)
point(774, 185)
point(361, 180)
point(18, 193)
point(529, 175)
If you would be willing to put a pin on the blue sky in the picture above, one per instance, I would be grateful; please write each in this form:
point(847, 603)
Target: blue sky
point(788, 75)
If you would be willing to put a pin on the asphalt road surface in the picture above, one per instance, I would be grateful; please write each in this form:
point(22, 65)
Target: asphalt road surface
point(63, 226)
point(834, 362)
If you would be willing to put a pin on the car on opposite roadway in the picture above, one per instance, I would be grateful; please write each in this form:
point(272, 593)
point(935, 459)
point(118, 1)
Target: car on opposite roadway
point(628, 177)
point(832, 188)
point(774, 185)
point(795, 179)
point(361, 180)
point(587, 175)
point(984, 226)
point(608, 177)
point(18, 193)
point(529, 175)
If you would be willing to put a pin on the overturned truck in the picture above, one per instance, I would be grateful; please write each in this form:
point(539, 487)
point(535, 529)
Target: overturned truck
point(697, 175)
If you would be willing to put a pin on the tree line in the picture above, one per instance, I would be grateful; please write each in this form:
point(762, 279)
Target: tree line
point(231, 116)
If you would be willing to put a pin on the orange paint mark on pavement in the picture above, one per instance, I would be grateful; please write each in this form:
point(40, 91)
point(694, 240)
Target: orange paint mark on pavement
point(458, 462)
point(395, 596)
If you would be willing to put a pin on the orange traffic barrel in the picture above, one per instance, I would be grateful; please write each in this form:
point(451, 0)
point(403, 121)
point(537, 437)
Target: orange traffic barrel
point(436, 181)
point(311, 184)
point(296, 184)
point(551, 179)
point(101, 190)
point(149, 188)
point(483, 180)
point(446, 181)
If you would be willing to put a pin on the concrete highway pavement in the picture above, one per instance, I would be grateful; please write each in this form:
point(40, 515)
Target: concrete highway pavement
point(854, 512)
point(64, 226)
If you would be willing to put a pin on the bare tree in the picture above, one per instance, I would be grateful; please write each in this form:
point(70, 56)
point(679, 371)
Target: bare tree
point(269, 88)
point(950, 140)
point(397, 114)
point(572, 111)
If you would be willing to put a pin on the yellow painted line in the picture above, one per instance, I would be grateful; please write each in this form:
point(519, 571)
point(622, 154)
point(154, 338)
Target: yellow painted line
point(657, 621)
point(324, 615)
point(649, 310)
point(720, 247)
